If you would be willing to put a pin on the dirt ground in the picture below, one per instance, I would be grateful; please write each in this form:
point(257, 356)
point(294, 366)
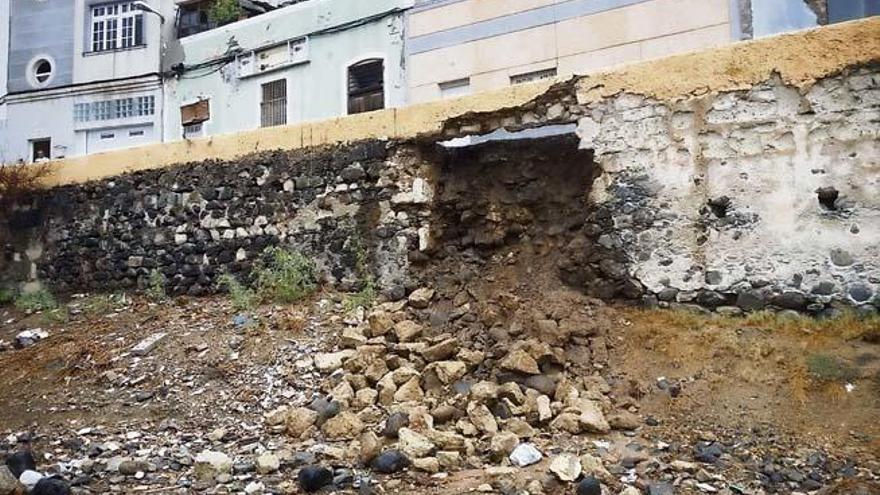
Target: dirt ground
point(781, 391)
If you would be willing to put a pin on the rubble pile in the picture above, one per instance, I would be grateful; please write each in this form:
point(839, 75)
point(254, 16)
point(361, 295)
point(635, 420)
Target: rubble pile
point(426, 394)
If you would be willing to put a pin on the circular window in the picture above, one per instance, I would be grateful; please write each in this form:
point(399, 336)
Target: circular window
point(41, 71)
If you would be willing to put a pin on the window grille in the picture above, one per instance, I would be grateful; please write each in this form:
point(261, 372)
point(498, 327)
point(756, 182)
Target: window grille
point(273, 108)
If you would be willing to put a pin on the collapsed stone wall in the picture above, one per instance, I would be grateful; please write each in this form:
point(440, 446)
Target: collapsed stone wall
point(765, 196)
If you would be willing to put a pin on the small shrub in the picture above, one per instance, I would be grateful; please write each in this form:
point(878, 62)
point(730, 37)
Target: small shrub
point(224, 11)
point(286, 277)
point(156, 286)
point(40, 300)
point(17, 181)
point(243, 298)
point(826, 368)
point(98, 305)
point(7, 296)
point(57, 315)
point(363, 298)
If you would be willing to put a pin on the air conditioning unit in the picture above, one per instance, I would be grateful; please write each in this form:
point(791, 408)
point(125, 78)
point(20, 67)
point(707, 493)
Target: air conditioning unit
point(276, 57)
point(299, 50)
point(247, 64)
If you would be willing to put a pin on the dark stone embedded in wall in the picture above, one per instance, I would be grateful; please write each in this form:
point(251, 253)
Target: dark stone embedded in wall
point(195, 221)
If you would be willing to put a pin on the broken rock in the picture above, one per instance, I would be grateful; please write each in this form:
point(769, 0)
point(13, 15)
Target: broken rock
point(299, 421)
point(525, 454)
point(345, 425)
point(9, 484)
point(147, 345)
point(413, 444)
point(330, 362)
point(520, 361)
point(442, 350)
point(421, 298)
point(566, 467)
point(482, 419)
point(449, 371)
point(210, 464)
point(407, 330)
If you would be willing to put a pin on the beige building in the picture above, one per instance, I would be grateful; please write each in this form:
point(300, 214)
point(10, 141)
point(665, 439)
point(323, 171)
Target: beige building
point(465, 46)
point(457, 47)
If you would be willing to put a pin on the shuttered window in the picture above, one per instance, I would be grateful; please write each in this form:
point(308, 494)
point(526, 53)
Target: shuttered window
point(273, 108)
point(366, 86)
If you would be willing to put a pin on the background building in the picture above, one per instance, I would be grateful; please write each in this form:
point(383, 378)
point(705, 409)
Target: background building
point(308, 61)
point(83, 77)
point(4, 54)
point(458, 47)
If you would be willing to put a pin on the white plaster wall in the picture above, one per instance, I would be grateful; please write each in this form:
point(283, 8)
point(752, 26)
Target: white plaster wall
point(768, 150)
point(52, 117)
point(119, 64)
point(316, 90)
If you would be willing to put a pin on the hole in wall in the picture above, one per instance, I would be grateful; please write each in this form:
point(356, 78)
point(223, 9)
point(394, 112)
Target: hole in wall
point(828, 197)
point(720, 206)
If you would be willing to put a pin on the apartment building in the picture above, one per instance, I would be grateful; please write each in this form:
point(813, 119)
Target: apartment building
point(457, 47)
point(308, 61)
point(83, 76)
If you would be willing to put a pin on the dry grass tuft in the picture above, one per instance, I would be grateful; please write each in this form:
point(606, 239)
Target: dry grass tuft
point(848, 325)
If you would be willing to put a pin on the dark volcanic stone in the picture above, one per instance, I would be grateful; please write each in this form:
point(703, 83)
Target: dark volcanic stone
point(390, 461)
point(589, 486)
point(394, 423)
point(708, 452)
point(750, 301)
point(313, 478)
point(20, 462)
point(51, 486)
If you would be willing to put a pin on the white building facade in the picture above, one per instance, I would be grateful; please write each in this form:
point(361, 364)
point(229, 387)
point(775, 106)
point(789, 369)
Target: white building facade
point(308, 61)
point(82, 77)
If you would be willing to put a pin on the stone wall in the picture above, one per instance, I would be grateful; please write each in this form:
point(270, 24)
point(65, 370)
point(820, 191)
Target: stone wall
point(193, 222)
point(764, 196)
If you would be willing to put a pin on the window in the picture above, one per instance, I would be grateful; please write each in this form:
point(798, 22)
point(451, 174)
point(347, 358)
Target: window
point(41, 150)
point(121, 108)
point(366, 88)
point(192, 116)
point(533, 76)
point(116, 26)
point(273, 108)
point(43, 71)
point(458, 87)
point(135, 133)
point(192, 130)
point(108, 135)
point(844, 10)
point(40, 72)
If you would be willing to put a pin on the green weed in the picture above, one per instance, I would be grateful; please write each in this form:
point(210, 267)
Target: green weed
point(284, 276)
point(827, 368)
point(156, 286)
point(39, 300)
point(242, 297)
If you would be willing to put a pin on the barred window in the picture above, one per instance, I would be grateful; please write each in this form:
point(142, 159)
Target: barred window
point(121, 108)
point(273, 108)
point(118, 25)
